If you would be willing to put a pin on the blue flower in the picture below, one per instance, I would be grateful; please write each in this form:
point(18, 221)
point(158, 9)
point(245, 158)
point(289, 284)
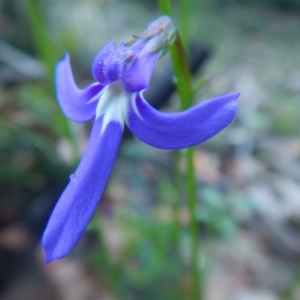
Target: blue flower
point(122, 74)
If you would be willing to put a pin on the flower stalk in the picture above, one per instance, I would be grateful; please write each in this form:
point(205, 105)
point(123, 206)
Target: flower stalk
point(184, 86)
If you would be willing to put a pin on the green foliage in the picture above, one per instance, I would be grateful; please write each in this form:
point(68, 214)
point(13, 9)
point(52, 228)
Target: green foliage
point(148, 265)
point(213, 211)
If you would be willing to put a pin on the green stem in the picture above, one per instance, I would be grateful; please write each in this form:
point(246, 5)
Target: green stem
point(195, 233)
point(184, 82)
point(165, 7)
point(183, 76)
point(184, 11)
point(177, 183)
point(184, 86)
point(49, 57)
point(289, 292)
point(41, 39)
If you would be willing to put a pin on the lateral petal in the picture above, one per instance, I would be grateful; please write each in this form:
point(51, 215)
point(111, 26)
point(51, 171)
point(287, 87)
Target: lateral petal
point(181, 129)
point(75, 103)
point(79, 200)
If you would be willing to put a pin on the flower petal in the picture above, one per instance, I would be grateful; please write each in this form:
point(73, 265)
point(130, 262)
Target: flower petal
point(182, 129)
point(78, 202)
point(103, 57)
point(137, 73)
point(74, 102)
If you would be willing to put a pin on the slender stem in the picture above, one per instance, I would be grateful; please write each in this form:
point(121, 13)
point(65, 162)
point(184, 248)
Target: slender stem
point(184, 87)
point(195, 233)
point(183, 76)
point(165, 7)
point(184, 11)
point(49, 57)
point(41, 39)
point(289, 292)
point(177, 183)
point(184, 83)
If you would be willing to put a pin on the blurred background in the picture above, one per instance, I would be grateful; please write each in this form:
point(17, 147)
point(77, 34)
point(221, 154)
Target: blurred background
point(136, 247)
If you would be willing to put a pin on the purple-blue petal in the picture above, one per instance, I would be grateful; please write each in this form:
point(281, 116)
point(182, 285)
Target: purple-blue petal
point(99, 68)
point(182, 129)
point(73, 101)
point(115, 64)
point(78, 202)
point(136, 75)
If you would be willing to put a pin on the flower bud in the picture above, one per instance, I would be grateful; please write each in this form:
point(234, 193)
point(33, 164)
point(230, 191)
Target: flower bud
point(161, 32)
